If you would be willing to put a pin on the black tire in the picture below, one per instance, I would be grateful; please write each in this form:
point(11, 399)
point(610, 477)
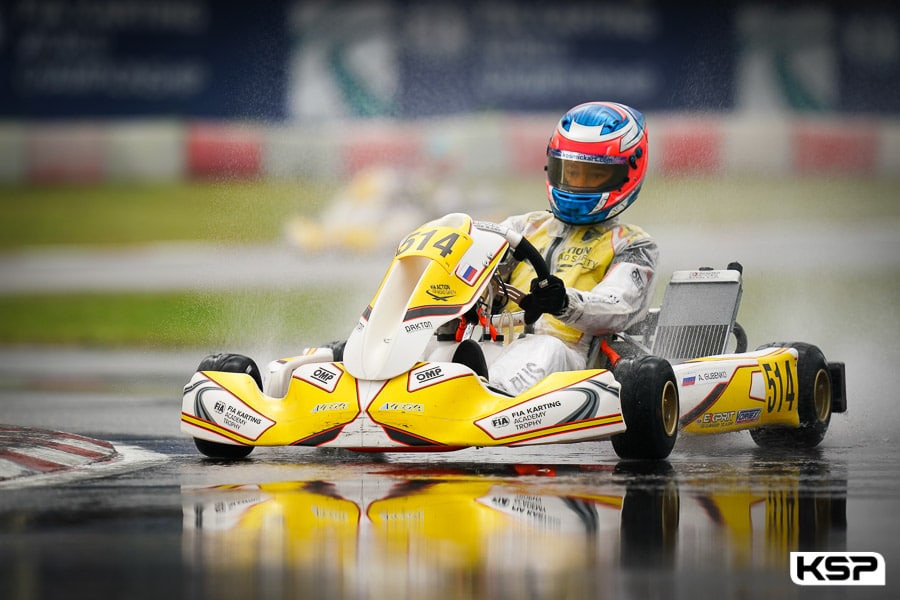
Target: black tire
point(231, 363)
point(813, 402)
point(227, 363)
point(226, 451)
point(649, 397)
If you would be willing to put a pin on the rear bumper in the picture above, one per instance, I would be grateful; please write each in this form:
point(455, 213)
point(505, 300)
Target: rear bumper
point(838, 387)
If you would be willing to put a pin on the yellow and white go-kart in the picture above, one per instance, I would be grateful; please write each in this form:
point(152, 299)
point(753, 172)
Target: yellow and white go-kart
point(383, 391)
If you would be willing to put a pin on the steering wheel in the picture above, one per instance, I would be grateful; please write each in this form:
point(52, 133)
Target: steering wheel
point(522, 250)
point(525, 250)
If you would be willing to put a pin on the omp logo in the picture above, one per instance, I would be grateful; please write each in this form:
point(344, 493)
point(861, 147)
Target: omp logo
point(837, 568)
point(323, 375)
point(429, 374)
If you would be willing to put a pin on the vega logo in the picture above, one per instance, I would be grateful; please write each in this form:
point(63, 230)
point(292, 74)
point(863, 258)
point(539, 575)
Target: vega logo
point(837, 568)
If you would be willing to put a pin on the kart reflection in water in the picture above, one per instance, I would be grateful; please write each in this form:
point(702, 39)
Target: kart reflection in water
point(509, 531)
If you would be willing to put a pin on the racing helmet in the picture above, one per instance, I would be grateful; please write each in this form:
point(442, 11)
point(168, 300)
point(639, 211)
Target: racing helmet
point(596, 161)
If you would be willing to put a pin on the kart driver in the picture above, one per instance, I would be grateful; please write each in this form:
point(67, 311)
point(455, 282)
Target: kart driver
point(601, 269)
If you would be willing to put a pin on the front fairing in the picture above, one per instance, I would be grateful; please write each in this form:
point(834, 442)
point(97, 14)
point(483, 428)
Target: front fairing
point(438, 273)
point(433, 406)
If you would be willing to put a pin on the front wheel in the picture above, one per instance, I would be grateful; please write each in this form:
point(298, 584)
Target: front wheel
point(227, 363)
point(232, 363)
point(649, 397)
point(226, 451)
point(813, 403)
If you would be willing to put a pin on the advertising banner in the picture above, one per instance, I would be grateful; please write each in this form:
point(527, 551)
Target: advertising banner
point(126, 58)
point(300, 61)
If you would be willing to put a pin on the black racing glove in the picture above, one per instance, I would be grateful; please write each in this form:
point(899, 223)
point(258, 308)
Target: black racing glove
point(547, 296)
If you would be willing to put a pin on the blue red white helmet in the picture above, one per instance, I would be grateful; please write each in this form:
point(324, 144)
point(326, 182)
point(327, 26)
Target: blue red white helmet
point(596, 161)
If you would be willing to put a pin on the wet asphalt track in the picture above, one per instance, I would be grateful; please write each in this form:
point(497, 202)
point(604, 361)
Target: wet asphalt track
point(718, 520)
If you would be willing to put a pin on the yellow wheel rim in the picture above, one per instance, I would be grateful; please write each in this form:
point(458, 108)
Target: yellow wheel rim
point(669, 406)
point(822, 395)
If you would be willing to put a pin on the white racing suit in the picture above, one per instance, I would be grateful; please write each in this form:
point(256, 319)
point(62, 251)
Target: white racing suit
point(608, 269)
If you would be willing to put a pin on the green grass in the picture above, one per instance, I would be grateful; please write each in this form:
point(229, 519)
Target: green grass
point(764, 200)
point(176, 320)
point(122, 214)
point(216, 321)
point(133, 213)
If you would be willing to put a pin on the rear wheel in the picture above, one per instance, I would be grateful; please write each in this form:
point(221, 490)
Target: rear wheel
point(649, 397)
point(227, 363)
point(813, 403)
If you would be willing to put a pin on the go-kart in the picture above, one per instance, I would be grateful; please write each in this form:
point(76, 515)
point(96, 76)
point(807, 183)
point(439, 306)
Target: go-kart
point(411, 375)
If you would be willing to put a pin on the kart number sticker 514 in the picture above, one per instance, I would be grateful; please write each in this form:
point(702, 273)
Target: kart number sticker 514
point(443, 245)
point(780, 388)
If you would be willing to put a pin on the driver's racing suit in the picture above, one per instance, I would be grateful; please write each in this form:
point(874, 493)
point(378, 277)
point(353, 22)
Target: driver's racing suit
point(608, 269)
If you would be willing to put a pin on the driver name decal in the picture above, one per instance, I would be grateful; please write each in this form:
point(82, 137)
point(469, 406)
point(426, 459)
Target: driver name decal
point(706, 377)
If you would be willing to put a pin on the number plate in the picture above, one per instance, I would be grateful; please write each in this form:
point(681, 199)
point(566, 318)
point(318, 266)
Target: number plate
point(443, 245)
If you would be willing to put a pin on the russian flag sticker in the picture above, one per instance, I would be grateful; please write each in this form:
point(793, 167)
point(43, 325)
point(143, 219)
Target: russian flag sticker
point(689, 380)
point(469, 274)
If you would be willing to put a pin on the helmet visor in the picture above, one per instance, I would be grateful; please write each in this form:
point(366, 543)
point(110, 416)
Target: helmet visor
point(586, 174)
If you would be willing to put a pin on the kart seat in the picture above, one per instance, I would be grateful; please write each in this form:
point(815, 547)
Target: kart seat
point(469, 353)
point(698, 313)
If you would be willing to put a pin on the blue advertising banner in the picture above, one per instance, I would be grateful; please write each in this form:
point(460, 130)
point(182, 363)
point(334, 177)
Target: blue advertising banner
point(869, 58)
point(535, 55)
point(300, 60)
point(200, 58)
